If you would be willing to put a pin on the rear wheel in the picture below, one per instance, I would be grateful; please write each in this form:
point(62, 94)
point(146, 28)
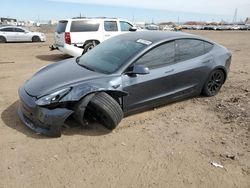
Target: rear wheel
point(105, 110)
point(36, 39)
point(2, 39)
point(214, 82)
point(89, 46)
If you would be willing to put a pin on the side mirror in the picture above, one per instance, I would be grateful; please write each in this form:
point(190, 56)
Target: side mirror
point(132, 28)
point(138, 69)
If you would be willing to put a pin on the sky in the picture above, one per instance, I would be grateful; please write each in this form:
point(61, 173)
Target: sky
point(133, 10)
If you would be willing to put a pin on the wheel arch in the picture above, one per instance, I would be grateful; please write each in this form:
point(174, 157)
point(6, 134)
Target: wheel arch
point(32, 38)
point(91, 41)
point(4, 37)
point(115, 94)
point(83, 102)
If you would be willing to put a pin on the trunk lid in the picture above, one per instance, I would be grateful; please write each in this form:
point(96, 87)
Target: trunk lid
point(60, 32)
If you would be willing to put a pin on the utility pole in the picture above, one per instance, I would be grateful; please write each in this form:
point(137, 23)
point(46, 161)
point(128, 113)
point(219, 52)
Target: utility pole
point(235, 16)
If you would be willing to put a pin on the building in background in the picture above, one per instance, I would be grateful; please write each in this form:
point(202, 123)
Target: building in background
point(8, 21)
point(53, 22)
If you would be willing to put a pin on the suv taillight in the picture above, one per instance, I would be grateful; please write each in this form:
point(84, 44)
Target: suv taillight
point(67, 38)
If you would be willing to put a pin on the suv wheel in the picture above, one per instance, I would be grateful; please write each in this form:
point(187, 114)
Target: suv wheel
point(89, 46)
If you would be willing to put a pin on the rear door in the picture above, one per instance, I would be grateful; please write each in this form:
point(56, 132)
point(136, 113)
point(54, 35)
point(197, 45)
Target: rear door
point(110, 29)
point(9, 33)
point(59, 32)
point(192, 65)
point(148, 90)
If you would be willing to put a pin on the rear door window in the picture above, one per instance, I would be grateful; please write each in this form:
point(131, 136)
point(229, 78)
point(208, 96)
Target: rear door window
point(159, 57)
point(84, 26)
point(61, 26)
point(188, 48)
point(110, 26)
point(19, 30)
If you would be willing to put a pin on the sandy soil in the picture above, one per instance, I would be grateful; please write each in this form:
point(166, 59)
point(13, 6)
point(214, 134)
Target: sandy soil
point(171, 146)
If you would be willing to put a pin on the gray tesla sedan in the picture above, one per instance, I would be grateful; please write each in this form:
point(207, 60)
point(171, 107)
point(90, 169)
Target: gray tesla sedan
point(123, 75)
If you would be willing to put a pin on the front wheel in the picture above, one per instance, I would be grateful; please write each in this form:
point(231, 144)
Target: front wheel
point(106, 110)
point(214, 83)
point(36, 39)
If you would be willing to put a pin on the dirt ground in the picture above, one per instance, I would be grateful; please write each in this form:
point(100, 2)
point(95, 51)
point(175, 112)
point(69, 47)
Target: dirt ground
point(171, 146)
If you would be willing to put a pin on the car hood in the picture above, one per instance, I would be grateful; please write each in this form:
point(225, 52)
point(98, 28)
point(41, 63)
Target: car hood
point(58, 75)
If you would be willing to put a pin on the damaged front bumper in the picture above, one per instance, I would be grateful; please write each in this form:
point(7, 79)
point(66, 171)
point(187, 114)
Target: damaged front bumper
point(41, 120)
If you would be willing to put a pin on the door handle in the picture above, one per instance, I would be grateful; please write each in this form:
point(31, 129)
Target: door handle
point(171, 70)
point(107, 35)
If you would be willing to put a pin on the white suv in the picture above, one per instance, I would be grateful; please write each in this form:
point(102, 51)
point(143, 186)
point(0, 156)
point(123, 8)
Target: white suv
point(86, 33)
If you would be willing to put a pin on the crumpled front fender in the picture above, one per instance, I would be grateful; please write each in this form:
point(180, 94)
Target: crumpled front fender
point(79, 92)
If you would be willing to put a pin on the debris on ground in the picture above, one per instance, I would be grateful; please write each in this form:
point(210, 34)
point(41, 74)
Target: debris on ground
point(217, 164)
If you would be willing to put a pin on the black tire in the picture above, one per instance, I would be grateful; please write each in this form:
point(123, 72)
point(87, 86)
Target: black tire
point(214, 82)
point(2, 39)
point(89, 46)
point(36, 39)
point(105, 110)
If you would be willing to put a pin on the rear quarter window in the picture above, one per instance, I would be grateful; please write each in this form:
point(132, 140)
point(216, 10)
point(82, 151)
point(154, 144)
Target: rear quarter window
point(208, 46)
point(188, 49)
point(84, 26)
point(61, 26)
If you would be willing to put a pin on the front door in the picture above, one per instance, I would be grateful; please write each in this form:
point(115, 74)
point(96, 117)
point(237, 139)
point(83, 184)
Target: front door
point(153, 88)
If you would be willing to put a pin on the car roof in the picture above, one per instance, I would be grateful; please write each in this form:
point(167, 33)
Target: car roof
point(7, 26)
point(93, 18)
point(158, 36)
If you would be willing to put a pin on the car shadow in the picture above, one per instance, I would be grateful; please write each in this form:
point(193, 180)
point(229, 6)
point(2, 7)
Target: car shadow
point(10, 118)
point(53, 57)
point(93, 129)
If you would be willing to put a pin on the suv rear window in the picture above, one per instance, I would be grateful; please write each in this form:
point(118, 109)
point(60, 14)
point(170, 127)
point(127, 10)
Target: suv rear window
point(61, 26)
point(84, 26)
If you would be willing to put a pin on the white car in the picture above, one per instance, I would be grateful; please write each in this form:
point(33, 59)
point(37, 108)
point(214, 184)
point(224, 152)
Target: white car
point(18, 34)
point(78, 35)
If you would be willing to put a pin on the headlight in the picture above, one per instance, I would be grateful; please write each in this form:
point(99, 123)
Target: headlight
point(53, 98)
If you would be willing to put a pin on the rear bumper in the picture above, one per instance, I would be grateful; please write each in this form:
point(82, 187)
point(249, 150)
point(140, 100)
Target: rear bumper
point(68, 49)
point(43, 38)
point(41, 120)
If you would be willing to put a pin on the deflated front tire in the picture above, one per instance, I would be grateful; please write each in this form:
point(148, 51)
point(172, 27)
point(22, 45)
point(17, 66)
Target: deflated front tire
point(106, 110)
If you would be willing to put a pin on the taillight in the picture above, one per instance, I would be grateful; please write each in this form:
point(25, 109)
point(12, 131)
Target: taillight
point(67, 38)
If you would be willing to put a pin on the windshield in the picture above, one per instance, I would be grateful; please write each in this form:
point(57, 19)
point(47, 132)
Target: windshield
point(110, 55)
